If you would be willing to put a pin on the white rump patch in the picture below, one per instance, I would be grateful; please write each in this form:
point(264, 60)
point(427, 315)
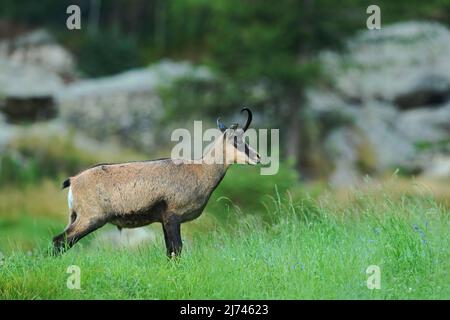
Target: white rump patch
point(70, 198)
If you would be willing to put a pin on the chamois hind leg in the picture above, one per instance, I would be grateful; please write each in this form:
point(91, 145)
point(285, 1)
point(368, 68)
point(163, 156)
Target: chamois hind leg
point(77, 229)
point(172, 235)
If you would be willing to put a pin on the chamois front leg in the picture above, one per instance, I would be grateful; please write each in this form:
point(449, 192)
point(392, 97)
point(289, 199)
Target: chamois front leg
point(172, 235)
point(77, 229)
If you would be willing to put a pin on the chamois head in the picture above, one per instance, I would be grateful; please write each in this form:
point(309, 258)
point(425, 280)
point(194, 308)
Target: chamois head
point(236, 150)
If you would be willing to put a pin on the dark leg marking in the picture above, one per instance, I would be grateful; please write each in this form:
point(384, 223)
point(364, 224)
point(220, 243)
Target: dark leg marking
point(172, 235)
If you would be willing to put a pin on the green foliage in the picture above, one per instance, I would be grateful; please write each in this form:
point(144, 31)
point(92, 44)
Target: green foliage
point(13, 170)
point(46, 12)
point(106, 53)
point(189, 97)
point(251, 37)
point(436, 146)
point(259, 40)
point(333, 119)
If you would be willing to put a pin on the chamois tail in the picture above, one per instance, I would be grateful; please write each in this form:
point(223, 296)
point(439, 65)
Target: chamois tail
point(66, 183)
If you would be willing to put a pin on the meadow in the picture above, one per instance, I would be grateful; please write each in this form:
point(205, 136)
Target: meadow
point(297, 247)
point(260, 237)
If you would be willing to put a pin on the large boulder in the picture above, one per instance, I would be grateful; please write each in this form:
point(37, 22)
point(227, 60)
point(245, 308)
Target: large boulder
point(27, 92)
point(39, 48)
point(394, 86)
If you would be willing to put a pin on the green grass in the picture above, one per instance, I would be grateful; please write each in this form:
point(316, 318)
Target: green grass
point(25, 233)
point(309, 251)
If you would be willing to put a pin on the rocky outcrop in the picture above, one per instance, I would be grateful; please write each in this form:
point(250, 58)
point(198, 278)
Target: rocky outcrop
point(394, 86)
point(39, 48)
point(27, 92)
point(126, 106)
point(33, 69)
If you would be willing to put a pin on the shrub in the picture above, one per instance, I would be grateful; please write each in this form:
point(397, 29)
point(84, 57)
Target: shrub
point(106, 53)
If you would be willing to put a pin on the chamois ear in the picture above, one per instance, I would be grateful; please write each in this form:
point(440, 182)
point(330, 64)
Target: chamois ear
point(220, 125)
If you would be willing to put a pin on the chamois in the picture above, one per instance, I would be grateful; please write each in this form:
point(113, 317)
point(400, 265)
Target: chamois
point(135, 194)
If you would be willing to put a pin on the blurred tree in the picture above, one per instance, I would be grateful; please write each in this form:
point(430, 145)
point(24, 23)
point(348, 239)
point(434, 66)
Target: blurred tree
point(260, 43)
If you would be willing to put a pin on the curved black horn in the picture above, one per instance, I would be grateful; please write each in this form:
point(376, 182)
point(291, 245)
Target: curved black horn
point(220, 125)
point(249, 119)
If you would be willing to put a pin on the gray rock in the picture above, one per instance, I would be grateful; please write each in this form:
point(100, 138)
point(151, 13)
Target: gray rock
point(425, 125)
point(39, 48)
point(438, 167)
point(126, 106)
point(391, 61)
point(395, 86)
point(341, 145)
point(24, 81)
point(430, 90)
